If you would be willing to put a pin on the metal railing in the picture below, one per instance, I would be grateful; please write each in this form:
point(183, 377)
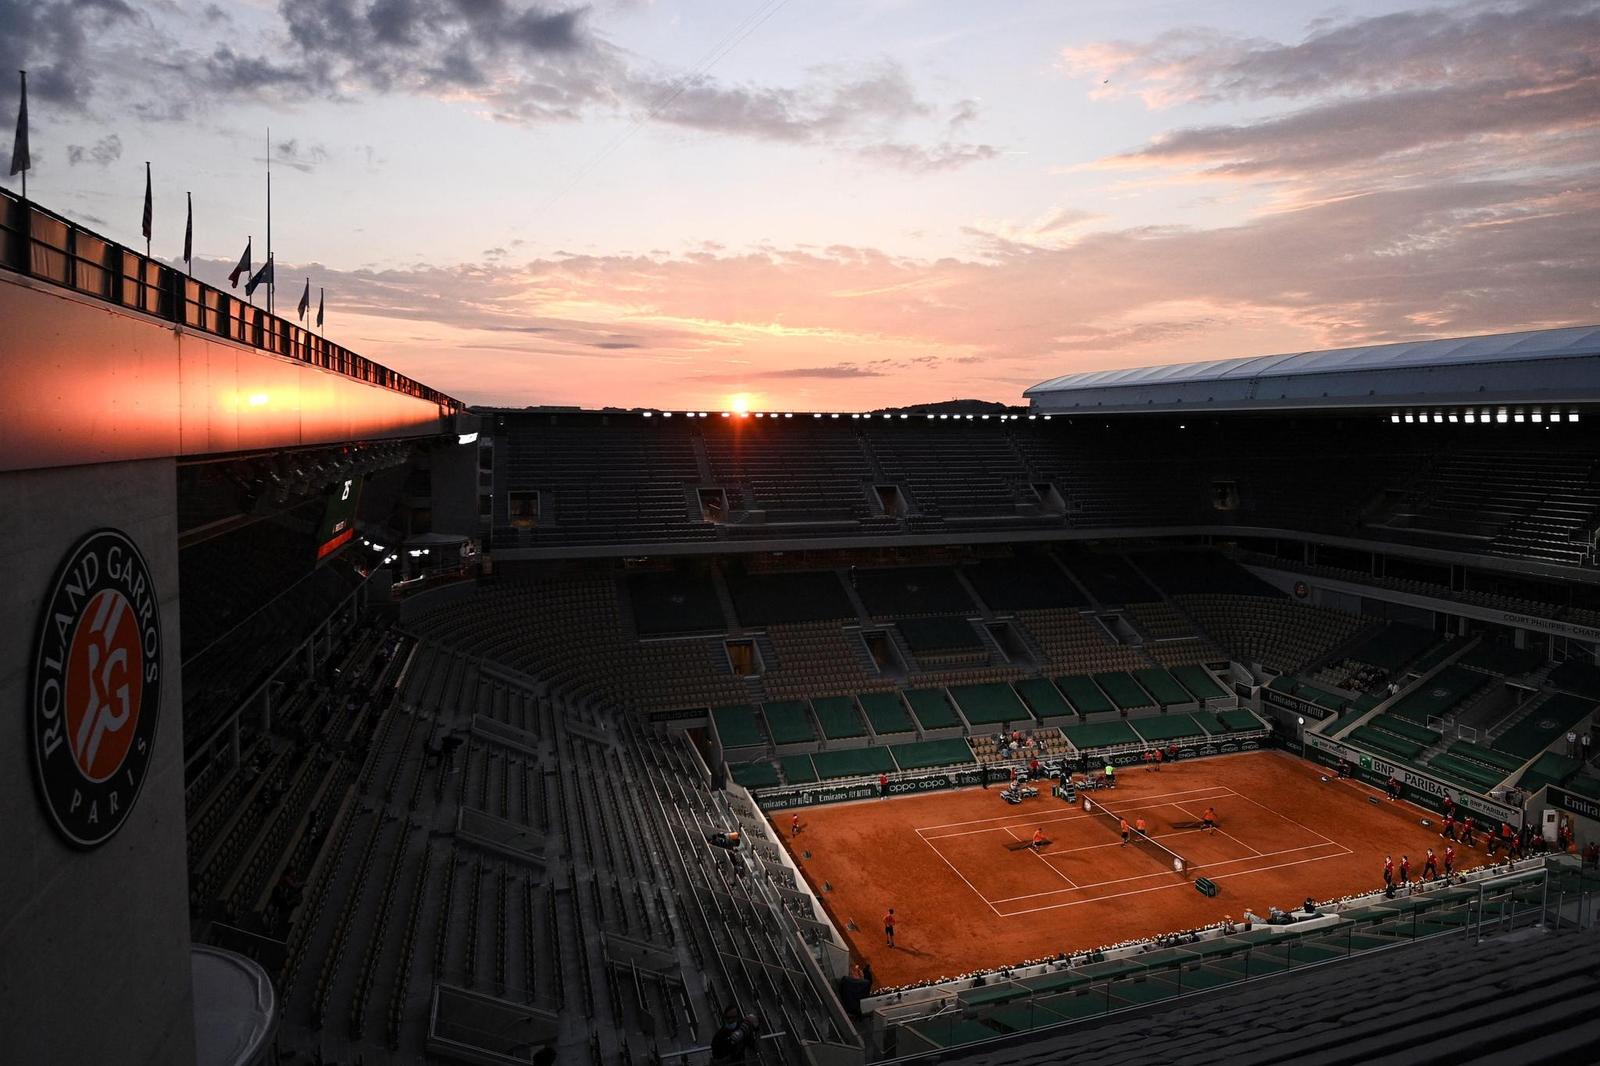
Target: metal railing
point(40, 244)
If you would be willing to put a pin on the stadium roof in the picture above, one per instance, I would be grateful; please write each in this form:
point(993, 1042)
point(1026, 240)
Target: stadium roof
point(1538, 366)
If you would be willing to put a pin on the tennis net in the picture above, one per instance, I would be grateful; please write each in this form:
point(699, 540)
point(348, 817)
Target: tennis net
point(1160, 852)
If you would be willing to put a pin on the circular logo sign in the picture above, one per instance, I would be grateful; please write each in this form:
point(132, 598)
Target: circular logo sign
point(96, 693)
point(1301, 589)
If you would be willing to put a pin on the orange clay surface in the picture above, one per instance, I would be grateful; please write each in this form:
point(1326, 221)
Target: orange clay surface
point(964, 901)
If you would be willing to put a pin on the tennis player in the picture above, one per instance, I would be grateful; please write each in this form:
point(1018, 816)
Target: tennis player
point(1208, 820)
point(1140, 826)
point(1127, 831)
point(888, 927)
point(1038, 839)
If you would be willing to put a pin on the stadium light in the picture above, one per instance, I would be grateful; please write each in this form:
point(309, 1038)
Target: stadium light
point(1047, 418)
point(928, 417)
point(1453, 417)
point(1502, 416)
point(1572, 416)
point(647, 414)
point(1518, 416)
point(1438, 416)
point(834, 415)
point(726, 414)
point(788, 414)
point(1472, 416)
point(1032, 417)
point(467, 438)
point(817, 414)
point(986, 418)
point(1410, 417)
point(1538, 415)
point(666, 414)
point(1394, 418)
point(903, 416)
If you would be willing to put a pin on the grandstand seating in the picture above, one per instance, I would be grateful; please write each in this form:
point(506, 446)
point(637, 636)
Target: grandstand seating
point(1438, 695)
point(929, 754)
point(1084, 695)
point(908, 592)
point(762, 599)
point(789, 722)
point(1273, 631)
point(887, 713)
point(1071, 644)
point(1542, 724)
point(1043, 698)
point(838, 717)
point(990, 704)
point(668, 602)
point(1026, 581)
point(932, 708)
point(621, 479)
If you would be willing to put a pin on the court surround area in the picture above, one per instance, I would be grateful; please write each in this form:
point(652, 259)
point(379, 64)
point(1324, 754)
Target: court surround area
point(969, 892)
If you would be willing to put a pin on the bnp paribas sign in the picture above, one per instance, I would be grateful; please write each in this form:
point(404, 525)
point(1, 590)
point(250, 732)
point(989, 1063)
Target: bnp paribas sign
point(96, 687)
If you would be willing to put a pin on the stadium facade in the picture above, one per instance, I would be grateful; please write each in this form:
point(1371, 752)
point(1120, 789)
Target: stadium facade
point(346, 721)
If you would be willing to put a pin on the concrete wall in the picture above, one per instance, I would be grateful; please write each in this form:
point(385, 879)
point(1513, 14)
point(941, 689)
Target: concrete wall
point(94, 946)
point(87, 382)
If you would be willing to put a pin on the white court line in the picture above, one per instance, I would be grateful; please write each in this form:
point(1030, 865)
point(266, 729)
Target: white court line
point(1286, 818)
point(1041, 858)
point(963, 877)
point(1163, 888)
point(1081, 795)
point(1064, 815)
point(1218, 829)
point(1193, 869)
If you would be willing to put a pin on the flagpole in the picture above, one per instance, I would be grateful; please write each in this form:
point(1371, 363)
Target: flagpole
point(24, 107)
point(147, 203)
point(272, 280)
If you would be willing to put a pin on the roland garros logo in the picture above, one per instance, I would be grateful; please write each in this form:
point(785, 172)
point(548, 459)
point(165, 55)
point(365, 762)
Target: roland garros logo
point(96, 687)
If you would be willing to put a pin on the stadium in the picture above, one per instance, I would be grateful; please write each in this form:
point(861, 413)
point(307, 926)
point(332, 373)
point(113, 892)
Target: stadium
point(352, 724)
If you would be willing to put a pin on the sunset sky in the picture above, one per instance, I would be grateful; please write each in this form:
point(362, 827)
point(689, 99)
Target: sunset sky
point(839, 205)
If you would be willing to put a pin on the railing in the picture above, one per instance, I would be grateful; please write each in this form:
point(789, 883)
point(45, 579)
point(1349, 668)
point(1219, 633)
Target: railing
point(1055, 995)
point(45, 246)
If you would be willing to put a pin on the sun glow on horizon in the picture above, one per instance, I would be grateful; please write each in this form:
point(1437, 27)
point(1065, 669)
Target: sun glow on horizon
point(739, 403)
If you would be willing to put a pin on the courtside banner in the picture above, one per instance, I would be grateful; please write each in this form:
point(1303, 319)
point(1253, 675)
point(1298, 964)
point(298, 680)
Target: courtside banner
point(1286, 702)
point(1572, 802)
point(1379, 771)
point(809, 797)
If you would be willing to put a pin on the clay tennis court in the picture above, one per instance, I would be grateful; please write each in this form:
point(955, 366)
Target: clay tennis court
point(969, 895)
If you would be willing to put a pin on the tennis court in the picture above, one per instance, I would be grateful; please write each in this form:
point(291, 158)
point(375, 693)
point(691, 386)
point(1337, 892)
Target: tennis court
point(969, 893)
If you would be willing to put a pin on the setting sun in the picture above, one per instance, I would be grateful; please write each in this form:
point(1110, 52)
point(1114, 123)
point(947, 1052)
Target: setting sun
point(739, 403)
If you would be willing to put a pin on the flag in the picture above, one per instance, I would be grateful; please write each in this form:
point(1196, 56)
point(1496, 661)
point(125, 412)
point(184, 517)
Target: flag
point(262, 277)
point(149, 207)
point(305, 300)
point(322, 295)
point(188, 232)
point(244, 266)
point(19, 148)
